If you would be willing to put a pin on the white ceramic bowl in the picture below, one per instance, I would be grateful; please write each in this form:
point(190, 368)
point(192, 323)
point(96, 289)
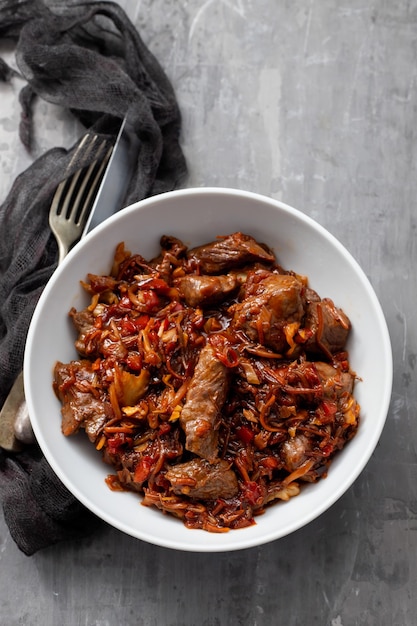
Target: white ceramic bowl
point(197, 216)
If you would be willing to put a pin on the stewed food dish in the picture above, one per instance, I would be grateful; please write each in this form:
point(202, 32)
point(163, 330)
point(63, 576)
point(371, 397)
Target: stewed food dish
point(212, 380)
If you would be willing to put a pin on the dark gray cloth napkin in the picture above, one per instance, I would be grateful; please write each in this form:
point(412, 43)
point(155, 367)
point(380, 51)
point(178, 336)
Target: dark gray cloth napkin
point(88, 58)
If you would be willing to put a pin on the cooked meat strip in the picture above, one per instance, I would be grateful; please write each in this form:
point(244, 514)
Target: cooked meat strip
point(200, 479)
point(204, 400)
point(204, 290)
point(125, 462)
point(311, 295)
point(273, 302)
point(293, 452)
point(229, 252)
point(329, 325)
point(172, 244)
point(334, 380)
point(100, 284)
point(91, 344)
point(83, 401)
point(84, 323)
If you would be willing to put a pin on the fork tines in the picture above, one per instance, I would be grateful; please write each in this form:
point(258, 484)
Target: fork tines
point(75, 195)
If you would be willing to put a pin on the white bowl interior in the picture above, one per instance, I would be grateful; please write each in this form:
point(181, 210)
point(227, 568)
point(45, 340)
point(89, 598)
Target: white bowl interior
point(197, 216)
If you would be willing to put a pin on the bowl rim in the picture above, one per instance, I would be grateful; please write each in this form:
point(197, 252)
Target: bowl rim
point(246, 540)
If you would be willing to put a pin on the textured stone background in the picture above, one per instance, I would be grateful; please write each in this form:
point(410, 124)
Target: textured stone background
point(313, 103)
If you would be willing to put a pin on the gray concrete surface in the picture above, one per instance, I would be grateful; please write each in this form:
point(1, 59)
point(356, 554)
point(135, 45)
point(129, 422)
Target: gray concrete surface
point(313, 103)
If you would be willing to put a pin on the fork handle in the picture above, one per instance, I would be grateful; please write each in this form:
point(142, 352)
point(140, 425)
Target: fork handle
point(15, 427)
point(62, 251)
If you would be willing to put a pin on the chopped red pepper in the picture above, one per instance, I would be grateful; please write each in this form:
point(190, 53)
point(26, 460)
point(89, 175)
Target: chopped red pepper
point(330, 408)
point(245, 434)
point(164, 428)
point(134, 361)
point(252, 493)
point(327, 450)
point(151, 299)
point(143, 469)
point(125, 303)
point(116, 442)
point(326, 411)
point(127, 327)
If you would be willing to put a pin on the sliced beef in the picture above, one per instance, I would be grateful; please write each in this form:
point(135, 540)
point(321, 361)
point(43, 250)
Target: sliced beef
point(202, 290)
point(329, 325)
point(334, 381)
point(227, 253)
point(83, 404)
point(84, 324)
point(200, 479)
point(125, 463)
point(204, 400)
point(100, 284)
point(294, 452)
point(173, 245)
point(267, 306)
point(91, 342)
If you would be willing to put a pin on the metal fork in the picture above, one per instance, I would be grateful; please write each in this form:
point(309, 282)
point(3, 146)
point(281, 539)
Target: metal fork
point(68, 214)
point(73, 198)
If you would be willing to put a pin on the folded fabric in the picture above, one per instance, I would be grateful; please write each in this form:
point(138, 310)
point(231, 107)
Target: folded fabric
point(38, 509)
point(89, 59)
